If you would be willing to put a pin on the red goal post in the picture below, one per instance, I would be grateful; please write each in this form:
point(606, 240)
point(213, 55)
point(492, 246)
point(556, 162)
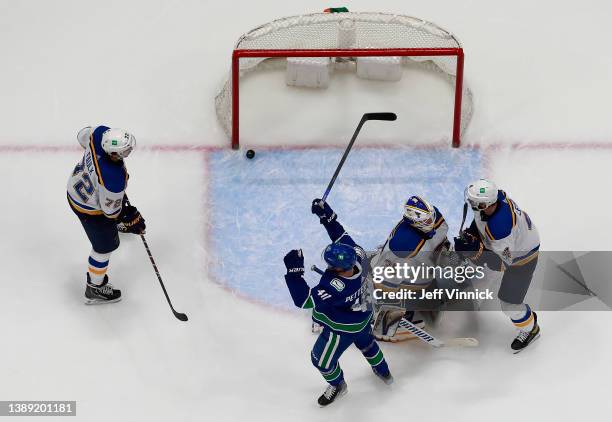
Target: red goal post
point(313, 31)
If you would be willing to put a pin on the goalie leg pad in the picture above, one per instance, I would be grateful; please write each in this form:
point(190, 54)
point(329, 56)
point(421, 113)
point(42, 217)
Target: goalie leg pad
point(387, 325)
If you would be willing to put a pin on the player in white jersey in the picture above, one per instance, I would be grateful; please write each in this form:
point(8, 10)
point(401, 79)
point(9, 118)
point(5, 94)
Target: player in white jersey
point(504, 237)
point(96, 194)
point(416, 240)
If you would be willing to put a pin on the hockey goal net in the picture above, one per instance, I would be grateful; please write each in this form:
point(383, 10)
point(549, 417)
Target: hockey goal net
point(346, 38)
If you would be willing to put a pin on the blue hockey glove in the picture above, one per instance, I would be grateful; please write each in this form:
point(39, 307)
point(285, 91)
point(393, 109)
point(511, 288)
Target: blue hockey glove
point(323, 211)
point(294, 261)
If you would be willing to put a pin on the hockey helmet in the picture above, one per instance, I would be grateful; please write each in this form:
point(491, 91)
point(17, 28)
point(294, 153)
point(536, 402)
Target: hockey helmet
point(340, 255)
point(118, 141)
point(481, 194)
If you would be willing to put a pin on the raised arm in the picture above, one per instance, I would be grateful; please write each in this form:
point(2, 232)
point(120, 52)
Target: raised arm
point(329, 220)
point(299, 290)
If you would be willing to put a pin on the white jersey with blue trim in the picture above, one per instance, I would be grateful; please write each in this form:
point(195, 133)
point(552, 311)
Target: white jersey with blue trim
point(407, 245)
point(97, 184)
point(509, 232)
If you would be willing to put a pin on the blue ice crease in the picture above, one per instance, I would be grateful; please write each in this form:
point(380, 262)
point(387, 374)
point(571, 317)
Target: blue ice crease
point(260, 208)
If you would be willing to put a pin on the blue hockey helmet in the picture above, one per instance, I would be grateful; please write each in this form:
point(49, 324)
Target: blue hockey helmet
point(340, 255)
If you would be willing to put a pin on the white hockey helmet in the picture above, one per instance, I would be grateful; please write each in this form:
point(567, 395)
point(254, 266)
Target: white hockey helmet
point(118, 141)
point(420, 213)
point(481, 194)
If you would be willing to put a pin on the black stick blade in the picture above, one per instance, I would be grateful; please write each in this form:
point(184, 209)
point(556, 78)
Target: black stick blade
point(380, 116)
point(180, 317)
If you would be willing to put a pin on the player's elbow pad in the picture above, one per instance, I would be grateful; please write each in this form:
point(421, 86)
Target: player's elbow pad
point(83, 136)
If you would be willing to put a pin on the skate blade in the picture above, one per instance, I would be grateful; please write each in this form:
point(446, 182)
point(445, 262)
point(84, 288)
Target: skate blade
point(516, 352)
point(388, 381)
point(100, 301)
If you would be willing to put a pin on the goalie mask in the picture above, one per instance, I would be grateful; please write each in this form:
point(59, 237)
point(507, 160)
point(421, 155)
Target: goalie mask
point(118, 141)
point(481, 194)
point(420, 213)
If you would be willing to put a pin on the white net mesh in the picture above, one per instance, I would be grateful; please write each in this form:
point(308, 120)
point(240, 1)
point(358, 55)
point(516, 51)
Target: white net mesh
point(322, 31)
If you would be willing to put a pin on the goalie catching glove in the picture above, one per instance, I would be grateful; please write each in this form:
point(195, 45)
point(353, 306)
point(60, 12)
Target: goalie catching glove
point(131, 221)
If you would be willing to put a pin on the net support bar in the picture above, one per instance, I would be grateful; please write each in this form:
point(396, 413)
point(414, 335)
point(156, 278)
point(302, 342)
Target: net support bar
point(238, 54)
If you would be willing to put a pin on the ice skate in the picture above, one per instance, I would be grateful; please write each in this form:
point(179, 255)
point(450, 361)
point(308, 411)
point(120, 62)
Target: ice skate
point(104, 293)
point(525, 338)
point(332, 393)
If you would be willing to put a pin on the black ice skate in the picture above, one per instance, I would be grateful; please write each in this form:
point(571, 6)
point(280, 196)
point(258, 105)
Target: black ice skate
point(333, 392)
point(103, 293)
point(387, 379)
point(525, 338)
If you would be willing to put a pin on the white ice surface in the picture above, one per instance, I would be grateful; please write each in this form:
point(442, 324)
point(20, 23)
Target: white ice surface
point(540, 75)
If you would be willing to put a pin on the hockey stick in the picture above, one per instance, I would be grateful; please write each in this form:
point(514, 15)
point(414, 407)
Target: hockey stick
point(317, 270)
point(424, 335)
point(178, 315)
point(365, 118)
point(465, 207)
point(434, 342)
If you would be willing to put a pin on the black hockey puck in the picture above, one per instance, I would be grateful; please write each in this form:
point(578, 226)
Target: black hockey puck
point(250, 154)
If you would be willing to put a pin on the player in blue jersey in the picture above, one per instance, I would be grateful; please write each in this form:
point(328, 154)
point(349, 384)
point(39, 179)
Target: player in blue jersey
point(337, 304)
point(96, 194)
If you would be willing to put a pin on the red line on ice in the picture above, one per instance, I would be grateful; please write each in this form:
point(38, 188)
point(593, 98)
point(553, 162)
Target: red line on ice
point(209, 148)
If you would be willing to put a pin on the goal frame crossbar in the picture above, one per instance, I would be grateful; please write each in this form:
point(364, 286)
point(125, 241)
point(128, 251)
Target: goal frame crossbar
point(366, 52)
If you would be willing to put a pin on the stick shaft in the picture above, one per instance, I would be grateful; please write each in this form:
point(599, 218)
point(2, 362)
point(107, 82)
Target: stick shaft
point(317, 270)
point(364, 118)
point(465, 207)
point(144, 241)
point(346, 153)
point(180, 316)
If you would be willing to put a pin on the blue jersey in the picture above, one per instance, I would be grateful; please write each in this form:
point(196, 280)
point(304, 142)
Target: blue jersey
point(338, 302)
